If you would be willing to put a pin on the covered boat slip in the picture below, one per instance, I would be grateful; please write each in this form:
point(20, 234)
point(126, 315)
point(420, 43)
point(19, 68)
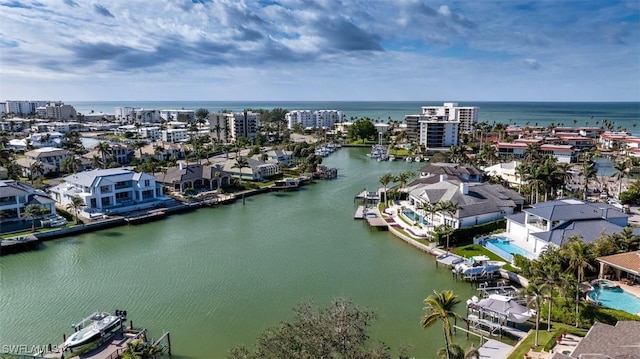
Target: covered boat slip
point(492, 315)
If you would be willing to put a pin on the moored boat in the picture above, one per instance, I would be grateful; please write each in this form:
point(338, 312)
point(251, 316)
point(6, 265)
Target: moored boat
point(478, 265)
point(93, 328)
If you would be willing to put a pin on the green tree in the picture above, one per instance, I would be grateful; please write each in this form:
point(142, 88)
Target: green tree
point(362, 129)
point(441, 306)
point(104, 149)
point(75, 205)
point(36, 169)
point(338, 331)
point(32, 212)
point(535, 294)
point(580, 256)
point(241, 163)
point(385, 179)
point(622, 171)
point(589, 172)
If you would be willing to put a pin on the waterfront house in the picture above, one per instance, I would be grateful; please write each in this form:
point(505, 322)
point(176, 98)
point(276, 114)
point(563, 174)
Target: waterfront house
point(194, 176)
point(562, 153)
point(49, 158)
point(16, 195)
point(554, 222)
point(109, 190)
point(280, 156)
point(258, 170)
point(622, 266)
point(477, 202)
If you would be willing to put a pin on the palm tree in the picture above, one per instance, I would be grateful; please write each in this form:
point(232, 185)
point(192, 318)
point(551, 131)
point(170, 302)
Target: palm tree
point(622, 171)
point(36, 170)
point(450, 208)
point(241, 163)
point(103, 149)
point(535, 292)
point(440, 306)
point(589, 172)
point(385, 179)
point(579, 259)
point(75, 205)
point(32, 212)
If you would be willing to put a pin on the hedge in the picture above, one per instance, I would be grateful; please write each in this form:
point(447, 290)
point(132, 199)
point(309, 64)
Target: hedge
point(466, 235)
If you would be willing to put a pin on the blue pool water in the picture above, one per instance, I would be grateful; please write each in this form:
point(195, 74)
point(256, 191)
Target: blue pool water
point(616, 299)
point(507, 246)
point(413, 216)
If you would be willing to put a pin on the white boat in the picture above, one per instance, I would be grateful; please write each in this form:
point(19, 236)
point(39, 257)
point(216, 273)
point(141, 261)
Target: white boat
point(392, 158)
point(478, 265)
point(408, 159)
point(93, 328)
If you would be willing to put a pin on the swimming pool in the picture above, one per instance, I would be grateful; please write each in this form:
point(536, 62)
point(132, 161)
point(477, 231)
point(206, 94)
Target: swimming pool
point(505, 248)
point(413, 216)
point(615, 298)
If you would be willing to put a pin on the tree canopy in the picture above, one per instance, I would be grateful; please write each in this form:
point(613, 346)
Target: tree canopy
point(362, 129)
point(336, 331)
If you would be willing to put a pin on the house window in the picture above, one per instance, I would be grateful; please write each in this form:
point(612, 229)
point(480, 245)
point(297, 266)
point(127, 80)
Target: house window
point(105, 201)
point(146, 183)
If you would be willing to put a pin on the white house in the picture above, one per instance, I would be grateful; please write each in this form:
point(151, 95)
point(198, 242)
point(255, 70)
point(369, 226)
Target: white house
point(553, 222)
point(109, 190)
point(477, 202)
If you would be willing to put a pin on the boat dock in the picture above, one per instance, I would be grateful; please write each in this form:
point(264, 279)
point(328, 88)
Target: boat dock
point(18, 244)
point(489, 328)
point(360, 212)
point(449, 259)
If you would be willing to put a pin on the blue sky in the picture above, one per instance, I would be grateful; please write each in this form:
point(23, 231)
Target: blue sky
point(273, 50)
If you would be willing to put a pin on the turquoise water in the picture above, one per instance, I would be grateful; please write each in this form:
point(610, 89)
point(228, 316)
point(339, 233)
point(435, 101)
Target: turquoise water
point(624, 114)
point(507, 246)
point(616, 299)
point(217, 277)
point(414, 216)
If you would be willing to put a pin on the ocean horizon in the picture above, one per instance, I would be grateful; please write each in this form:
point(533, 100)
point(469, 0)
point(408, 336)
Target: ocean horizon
point(623, 114)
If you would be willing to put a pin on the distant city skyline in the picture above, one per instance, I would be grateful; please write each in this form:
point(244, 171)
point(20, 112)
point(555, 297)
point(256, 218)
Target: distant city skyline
point(325, 50)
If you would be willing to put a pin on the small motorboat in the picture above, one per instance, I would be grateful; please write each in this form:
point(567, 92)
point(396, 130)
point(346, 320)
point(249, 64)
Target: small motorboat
point(93, 328)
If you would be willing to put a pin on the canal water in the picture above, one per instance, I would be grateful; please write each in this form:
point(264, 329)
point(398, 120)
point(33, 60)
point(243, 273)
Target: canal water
point(216, 277)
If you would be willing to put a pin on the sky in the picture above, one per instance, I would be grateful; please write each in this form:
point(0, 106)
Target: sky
point(323, 50)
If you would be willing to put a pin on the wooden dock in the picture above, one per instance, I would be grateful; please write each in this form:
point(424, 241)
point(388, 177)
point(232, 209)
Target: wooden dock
point(359, 212)
point(18, 244)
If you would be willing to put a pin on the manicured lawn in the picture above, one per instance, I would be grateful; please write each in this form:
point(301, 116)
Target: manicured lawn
point(478, 250)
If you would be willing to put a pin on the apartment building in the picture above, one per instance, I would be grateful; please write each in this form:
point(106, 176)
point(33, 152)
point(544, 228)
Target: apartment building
point(314, 119)
point(466, 115)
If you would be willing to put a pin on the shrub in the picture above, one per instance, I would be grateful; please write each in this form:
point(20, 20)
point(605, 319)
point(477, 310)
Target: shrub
point(465, 235)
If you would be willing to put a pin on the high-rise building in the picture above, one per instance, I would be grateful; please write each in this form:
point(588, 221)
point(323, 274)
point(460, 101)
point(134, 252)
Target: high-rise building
point(467, 115)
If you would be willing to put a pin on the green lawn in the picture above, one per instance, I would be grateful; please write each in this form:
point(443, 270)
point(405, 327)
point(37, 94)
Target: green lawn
point(478, 250)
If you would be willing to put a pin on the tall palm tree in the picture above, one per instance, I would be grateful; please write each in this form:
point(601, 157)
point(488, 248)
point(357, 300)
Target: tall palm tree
point(75, 205)
point(385, 179)
point(622, 171)
point(450, 208)
point(441, 306)
point(32, 212)
point(589, 172)
point(579, 259)
point(36, 170)
point(241, 163)
point(103, 148)
point(535, 293)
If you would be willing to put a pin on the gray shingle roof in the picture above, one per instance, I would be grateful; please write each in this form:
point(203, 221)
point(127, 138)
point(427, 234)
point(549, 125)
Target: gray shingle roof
point(191, 172)
point(450, 169)
point(588, 230)
point(573, 209)
point(481, 197)
point(619, 341)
